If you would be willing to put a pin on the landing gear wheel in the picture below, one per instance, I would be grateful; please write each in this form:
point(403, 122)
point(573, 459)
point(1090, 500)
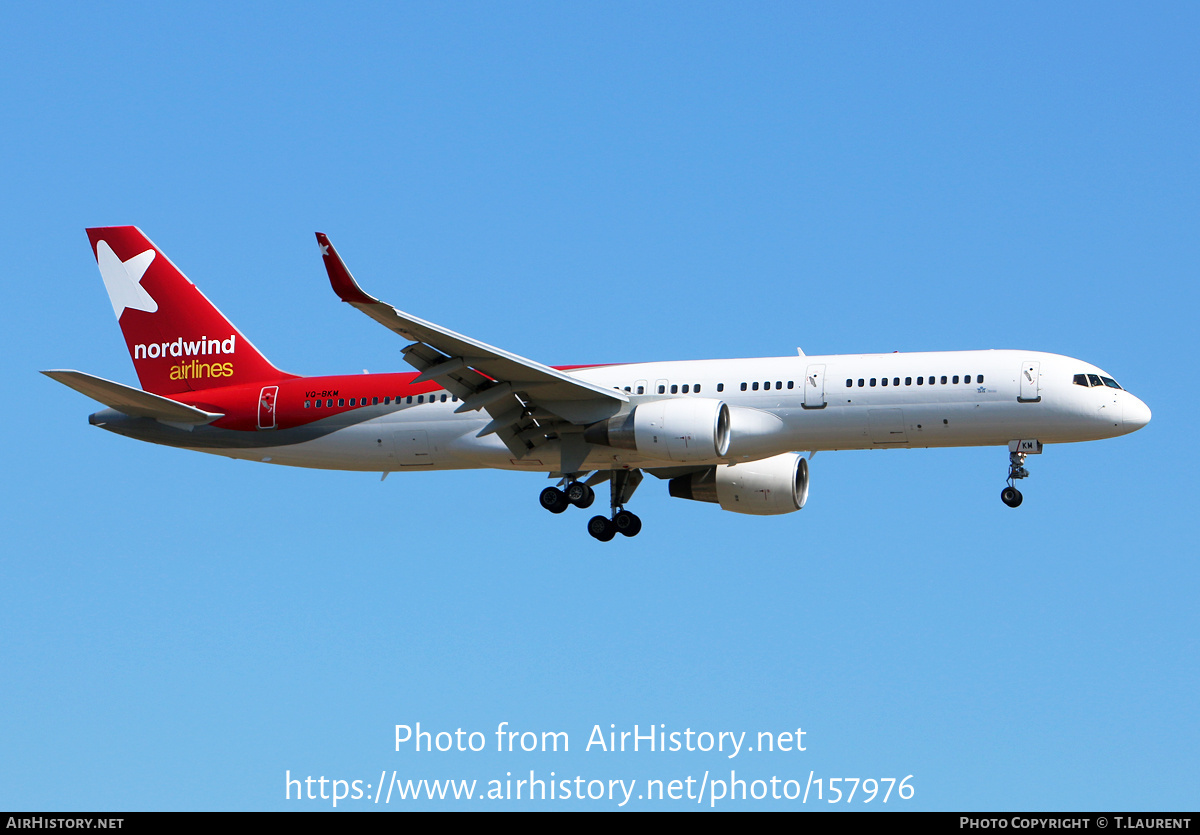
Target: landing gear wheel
point(601, 528)
point(627, 523)
point(1011, 496)
point(580, 495)
point(554, 500)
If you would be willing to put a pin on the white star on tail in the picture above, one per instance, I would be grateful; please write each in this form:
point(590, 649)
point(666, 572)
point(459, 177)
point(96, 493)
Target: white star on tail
point(122, 279)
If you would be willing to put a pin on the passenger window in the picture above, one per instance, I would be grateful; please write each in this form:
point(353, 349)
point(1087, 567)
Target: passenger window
point(627, 390)
point(352, 399)
point(979, 378)
point(778, 385)
point(720, 387)
point(329, 403)
point(791, 384)
point(743, 386)
point(861, 381)
point(662, 389)
point(307, 403)
point(943, 379)
point(956, 379)
point(641, 389)
point(444, 398)
point(755, 386)
point(872, 382)
point(318, 404)
point(341, 401)
point(908, 381)
point(674, 389)
point(920, 381)
point(967, 379)
point(420, 398)
point(884, 381)
point(849, 382)
point(696, 389)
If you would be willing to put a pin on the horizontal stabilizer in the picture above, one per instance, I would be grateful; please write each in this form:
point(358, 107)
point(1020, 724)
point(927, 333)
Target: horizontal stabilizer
point(131, 401)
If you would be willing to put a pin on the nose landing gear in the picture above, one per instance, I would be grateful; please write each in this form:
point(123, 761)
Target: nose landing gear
point(1017, 451)
point(1011, 496)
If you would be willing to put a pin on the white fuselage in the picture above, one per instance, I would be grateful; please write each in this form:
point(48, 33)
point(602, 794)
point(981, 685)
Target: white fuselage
point(800, 403)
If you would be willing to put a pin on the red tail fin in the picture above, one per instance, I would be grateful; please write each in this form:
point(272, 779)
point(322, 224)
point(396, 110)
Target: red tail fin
point(178, 341)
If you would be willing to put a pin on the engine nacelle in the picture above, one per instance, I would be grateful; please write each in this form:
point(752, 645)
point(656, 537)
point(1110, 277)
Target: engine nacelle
point(755, 433)
point(683, 429)
point(761, 488)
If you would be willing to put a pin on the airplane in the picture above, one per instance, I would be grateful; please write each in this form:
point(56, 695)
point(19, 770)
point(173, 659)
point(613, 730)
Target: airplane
point(726, 431)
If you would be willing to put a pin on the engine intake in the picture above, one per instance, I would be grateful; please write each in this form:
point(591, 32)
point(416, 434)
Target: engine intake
point(681, 429)
point(768, 487)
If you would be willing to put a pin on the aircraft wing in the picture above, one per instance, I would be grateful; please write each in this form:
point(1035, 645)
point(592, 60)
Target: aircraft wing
point(515, 391)
point(131, 401)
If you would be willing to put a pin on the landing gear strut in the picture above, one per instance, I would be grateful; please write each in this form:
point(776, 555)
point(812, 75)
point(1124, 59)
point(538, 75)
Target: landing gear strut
point(1017, 451)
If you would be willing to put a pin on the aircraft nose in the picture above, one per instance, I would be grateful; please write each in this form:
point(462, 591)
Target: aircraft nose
point(1136, 414)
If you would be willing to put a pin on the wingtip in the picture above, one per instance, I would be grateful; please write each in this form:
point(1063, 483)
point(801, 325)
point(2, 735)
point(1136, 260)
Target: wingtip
point(340, 279)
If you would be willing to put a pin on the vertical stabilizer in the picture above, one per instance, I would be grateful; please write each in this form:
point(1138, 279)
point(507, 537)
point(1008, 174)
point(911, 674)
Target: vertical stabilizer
point(177, 340)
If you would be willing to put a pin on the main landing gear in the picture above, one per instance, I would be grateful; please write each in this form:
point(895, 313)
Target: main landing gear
point(622, 483)
point(1017, 450)
point(624, 522)
point(576, 493)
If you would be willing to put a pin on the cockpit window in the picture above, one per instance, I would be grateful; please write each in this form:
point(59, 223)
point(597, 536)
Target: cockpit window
point(1093, 380)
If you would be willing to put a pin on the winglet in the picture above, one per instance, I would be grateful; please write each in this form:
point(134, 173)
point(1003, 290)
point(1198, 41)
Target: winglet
point(339, 277)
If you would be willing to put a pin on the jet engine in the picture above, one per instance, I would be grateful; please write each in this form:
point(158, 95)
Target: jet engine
point(680, 429)
point(761, 488)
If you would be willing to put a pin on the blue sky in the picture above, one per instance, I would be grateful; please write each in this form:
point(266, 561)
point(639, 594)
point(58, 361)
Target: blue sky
point(605, 183)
